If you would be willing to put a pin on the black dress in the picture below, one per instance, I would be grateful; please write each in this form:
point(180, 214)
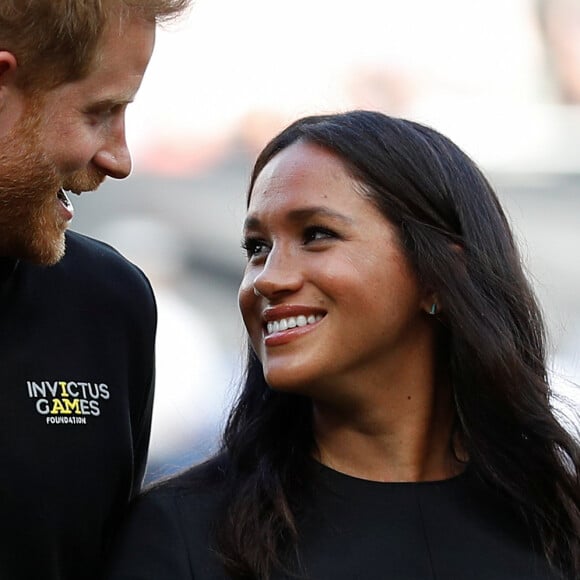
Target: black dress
point(349, 529)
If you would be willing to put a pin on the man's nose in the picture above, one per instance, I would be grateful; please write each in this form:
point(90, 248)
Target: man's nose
point(114, 158)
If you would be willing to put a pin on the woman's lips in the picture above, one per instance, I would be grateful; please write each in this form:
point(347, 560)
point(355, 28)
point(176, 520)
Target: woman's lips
point(283, 329)
point(291, 322)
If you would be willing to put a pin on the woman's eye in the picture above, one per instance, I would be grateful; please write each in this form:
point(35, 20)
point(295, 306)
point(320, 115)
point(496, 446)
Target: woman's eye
point(254, 247)
point(314, 233)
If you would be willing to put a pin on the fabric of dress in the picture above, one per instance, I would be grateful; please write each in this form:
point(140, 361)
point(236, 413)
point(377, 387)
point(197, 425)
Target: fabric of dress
point(76, 377)
point(349, 529)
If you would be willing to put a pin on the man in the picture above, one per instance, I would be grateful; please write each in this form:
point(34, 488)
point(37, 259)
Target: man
point(77, 321)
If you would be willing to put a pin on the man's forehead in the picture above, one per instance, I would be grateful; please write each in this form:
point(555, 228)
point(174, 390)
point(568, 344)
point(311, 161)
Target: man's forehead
point(126, 51)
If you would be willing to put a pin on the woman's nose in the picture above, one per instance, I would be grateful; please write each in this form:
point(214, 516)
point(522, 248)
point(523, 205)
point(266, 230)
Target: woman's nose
point(281, 274)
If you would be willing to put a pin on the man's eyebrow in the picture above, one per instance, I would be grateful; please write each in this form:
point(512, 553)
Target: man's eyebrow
point(301, 214)
point(110, 102)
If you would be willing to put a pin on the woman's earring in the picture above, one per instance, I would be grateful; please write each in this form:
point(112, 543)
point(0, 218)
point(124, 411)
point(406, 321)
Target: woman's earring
point(433, 310)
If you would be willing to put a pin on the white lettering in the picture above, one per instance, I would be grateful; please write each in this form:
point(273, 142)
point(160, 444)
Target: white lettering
point(42, 406)
point(53, 388)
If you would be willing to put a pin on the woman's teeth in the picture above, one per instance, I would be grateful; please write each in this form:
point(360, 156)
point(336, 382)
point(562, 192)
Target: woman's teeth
point(292, 322)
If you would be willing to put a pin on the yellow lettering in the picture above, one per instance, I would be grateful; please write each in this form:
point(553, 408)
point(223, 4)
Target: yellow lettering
point(70, 406)
point(57, 407)
point(63, 388)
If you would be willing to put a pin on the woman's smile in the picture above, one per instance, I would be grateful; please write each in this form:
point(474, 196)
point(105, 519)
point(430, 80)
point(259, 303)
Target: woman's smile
point(327, 284)
point(284, 330)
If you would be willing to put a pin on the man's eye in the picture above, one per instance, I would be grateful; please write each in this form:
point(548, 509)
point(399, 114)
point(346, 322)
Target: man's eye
point(254, 247)
point(101, 113)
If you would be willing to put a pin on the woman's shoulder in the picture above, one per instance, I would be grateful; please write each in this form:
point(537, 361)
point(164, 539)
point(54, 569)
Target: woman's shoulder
point(168, 529)
point(195, 483)
point(184, 504)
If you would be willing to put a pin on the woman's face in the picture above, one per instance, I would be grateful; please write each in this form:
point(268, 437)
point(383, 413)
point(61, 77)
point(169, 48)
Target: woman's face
point(328, 298)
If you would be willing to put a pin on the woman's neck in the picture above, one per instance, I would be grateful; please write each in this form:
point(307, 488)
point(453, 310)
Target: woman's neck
point(409, 439)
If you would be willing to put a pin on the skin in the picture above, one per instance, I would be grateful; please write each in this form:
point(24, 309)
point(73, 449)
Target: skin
point(317, 246)
point(70, 137)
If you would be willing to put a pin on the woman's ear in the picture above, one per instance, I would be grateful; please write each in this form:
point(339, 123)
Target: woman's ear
point(431, 304)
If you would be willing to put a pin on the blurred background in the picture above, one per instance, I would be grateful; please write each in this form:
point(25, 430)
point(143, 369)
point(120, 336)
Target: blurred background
point(499, 77)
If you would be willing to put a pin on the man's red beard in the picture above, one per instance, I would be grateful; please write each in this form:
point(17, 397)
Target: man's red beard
point(31, 227)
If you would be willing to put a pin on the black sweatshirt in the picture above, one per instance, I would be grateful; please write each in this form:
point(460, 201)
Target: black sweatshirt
point(349, 529)
point(76, 380)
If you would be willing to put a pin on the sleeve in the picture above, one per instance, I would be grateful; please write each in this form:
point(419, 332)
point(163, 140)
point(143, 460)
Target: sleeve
point(142, 434)
point(150, 544)
point(142, 408)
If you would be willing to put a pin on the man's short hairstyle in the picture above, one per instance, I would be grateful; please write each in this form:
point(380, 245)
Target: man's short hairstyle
point(55, 41)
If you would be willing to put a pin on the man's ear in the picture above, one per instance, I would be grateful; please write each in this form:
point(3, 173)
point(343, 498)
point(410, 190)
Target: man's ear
point(8, 66)
point(11, 100)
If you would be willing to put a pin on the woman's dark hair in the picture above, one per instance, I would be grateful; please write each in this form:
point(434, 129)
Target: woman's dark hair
point(458, 240)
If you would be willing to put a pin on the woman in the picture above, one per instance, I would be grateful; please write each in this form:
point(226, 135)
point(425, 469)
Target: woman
point(395, 419)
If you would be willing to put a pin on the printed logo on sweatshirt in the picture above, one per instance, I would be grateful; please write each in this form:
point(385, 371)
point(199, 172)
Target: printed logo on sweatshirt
point(67, 402)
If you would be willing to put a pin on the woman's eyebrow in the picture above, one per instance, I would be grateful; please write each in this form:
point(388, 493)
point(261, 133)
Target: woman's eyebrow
point(301, 214)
